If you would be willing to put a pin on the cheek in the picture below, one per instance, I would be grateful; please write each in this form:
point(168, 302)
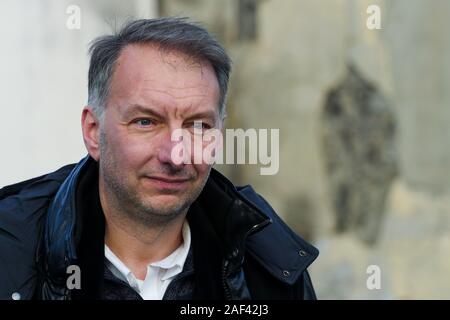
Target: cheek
point(129, 153)
point(136, 154)
point(204, 152)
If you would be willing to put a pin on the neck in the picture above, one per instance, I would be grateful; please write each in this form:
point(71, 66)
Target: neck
point(138, 245)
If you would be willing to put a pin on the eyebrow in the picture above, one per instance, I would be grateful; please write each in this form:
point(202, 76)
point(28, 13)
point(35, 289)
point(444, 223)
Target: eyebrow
point(203, 114)
point(137, 108)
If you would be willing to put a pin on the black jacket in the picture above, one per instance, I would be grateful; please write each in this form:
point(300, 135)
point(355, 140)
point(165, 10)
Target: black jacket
point(241, 248)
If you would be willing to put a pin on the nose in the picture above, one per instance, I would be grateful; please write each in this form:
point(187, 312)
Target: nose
point(170, 150)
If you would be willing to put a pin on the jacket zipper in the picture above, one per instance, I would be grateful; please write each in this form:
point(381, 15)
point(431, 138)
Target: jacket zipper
point(226, 263)
point(226, 288)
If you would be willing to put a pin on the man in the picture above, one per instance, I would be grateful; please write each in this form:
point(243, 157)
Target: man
point(128, 220)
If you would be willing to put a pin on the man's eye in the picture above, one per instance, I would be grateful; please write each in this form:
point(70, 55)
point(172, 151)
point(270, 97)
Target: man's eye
point(199, 125)
point(143, 122)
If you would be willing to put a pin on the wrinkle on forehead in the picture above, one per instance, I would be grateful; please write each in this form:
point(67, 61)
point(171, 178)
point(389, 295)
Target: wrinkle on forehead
point(179, 93)
point(206, 87)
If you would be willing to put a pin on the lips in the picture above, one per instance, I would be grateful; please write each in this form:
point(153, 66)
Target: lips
point(167, 183)
point(168, 180)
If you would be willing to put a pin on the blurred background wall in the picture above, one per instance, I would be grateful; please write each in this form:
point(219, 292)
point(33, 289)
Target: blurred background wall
point(363, 117)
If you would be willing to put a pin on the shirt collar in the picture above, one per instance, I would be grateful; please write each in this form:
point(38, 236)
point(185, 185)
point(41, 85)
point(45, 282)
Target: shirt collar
point(172, 264)
point(116, 263)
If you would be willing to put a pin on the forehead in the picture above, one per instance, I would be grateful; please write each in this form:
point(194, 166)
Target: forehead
point(143, 72)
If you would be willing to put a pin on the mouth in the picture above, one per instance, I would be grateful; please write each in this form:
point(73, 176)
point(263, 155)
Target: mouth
point(165, 183)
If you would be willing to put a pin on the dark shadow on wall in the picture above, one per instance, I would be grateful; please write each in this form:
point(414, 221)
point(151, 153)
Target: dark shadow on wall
point(358, 127)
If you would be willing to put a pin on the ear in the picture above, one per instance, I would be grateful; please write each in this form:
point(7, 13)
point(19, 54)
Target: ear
point(90, 126)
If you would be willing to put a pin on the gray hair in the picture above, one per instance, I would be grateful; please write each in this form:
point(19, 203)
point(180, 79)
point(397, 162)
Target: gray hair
point(169, 34)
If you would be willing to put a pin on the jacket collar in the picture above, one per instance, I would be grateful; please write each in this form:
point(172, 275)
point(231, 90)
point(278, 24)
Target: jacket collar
point(264, 235)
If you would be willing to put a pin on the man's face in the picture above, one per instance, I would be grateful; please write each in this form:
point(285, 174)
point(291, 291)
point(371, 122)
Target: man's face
point(152, 93)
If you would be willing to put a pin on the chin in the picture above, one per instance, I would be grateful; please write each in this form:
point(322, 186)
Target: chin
point(166, 202)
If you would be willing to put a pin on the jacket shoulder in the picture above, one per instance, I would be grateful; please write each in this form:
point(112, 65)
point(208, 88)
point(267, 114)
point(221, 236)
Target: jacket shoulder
point(16, 188)
point(22, 209)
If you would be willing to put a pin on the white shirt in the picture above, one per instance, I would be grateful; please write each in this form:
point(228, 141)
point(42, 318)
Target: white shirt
point(159, 274)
